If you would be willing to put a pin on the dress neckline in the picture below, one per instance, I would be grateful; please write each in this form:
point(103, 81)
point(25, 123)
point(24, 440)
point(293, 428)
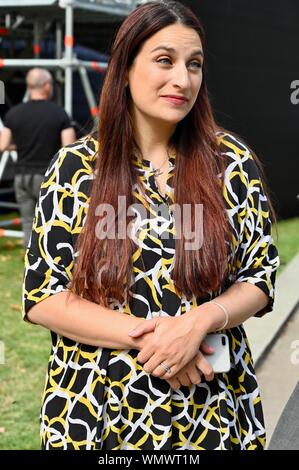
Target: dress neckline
point(147, 165)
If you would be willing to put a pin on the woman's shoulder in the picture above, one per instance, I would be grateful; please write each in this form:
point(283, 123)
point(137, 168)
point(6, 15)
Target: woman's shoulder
point(233, 146)
point(78, 156)
point(83, 150)
point(239, 157)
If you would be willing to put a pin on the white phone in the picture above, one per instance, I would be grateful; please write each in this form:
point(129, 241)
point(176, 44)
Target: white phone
point(220, 359)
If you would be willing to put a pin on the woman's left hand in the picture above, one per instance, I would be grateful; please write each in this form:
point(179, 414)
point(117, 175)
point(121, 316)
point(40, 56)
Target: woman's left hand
point(174, 343)
point(192, 372)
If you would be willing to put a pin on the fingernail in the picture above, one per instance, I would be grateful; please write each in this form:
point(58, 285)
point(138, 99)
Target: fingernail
point(131, 332)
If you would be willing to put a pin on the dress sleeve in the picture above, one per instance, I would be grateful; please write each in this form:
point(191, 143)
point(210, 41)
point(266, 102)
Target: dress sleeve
point(257, 256)
point(49, 257)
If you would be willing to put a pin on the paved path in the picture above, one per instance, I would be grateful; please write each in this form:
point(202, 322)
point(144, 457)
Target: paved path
point(271, 339)
point(278, 373)
point(262, 331)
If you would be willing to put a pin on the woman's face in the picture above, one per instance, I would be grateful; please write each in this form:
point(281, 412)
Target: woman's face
point(168, 65)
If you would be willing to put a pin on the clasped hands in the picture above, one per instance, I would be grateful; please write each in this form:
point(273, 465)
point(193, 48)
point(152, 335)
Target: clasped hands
point(178, 343)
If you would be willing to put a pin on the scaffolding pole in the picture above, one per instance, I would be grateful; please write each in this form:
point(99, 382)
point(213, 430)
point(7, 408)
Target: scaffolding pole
point(36, 40)
point(11, 233)
point(54, 63)
point(88, 92)
point(68, 44)
point(58, 55)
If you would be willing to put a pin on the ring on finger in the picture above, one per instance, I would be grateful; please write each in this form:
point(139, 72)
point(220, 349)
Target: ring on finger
point(165, 367)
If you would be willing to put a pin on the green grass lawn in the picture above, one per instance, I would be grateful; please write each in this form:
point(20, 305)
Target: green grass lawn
point(27, 347)
point(288, 240)
point(26, 352)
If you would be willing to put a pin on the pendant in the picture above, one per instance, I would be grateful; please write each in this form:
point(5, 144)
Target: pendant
point(157, 173)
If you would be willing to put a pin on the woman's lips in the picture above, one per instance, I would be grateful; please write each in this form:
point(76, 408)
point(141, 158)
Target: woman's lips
point(173, 100)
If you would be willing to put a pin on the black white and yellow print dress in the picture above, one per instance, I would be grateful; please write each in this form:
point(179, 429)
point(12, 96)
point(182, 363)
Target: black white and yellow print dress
point(103, 399)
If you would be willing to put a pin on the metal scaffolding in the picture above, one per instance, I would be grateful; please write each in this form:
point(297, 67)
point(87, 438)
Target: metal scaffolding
point(37, 10)
point(38, 13)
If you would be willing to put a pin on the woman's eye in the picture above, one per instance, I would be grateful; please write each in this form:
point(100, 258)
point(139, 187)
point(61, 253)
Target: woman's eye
point(163, 59)
point(197, 65)
point(193, 64)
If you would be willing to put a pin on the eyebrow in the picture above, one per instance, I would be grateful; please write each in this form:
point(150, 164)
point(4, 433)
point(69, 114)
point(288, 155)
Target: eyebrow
point(171, 49)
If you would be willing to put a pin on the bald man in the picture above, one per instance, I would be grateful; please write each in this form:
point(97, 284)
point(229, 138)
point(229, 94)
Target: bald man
point(38, 128)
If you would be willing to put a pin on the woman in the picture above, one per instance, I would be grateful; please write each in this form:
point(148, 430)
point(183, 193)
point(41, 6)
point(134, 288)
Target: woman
point(115, 276)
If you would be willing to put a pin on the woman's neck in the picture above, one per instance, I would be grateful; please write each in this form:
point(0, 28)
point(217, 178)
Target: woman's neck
point(153, 140)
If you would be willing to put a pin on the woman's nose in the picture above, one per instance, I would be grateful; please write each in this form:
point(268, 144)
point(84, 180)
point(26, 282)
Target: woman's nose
point(181, 76)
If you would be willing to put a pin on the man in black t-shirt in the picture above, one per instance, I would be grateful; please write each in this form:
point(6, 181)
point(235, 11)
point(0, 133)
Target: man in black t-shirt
point(38, 128)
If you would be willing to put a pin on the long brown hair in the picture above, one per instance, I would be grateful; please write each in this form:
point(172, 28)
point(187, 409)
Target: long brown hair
point(104, 267)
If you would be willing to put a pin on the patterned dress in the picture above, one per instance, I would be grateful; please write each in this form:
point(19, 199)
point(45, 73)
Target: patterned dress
point(97, 398)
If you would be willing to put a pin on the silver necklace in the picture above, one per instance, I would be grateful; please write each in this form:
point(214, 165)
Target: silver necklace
point(158, 171)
